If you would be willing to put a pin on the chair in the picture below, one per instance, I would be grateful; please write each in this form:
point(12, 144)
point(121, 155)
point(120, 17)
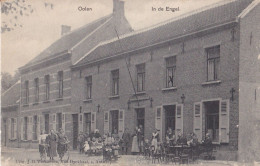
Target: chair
point(184, 156)
point(195, 153)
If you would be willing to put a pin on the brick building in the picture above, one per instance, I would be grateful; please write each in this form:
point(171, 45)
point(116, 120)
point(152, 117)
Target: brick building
point(189, 73)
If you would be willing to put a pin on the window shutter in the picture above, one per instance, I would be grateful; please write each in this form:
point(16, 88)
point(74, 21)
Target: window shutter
point(64, 121)
point(9, 121)
point(93, 121)
point(197, 120)
point(15, 128)
point(179, 119)
point(21, 125)
point(121, 123)
point(106, 122)
point(30, 128)
point(80, 122)
point(224, 121)
point(158, 120)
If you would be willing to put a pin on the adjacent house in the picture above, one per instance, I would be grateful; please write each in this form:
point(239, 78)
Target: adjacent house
point(199, 72)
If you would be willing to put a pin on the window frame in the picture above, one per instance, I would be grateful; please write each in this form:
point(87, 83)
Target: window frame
point(88, 87)
point(140, 71)
point(26, 91)
point(115, 79)
point(34, 128)
point(60, 84)
point(47, 87)
point(215, 61)
point(173, 69)
point(37, 90)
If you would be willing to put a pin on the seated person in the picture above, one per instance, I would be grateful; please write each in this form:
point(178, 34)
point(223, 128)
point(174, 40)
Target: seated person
point(109, 139)
point(97, 134)
point(170, 138)
point(207, 141)
point(181, 139)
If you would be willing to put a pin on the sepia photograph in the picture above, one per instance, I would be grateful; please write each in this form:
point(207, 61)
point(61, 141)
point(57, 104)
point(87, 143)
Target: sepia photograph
point(130, 82)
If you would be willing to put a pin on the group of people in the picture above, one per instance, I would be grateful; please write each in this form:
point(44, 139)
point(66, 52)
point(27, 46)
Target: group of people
point(92, 143)
point(53, 143)
point(141, 145)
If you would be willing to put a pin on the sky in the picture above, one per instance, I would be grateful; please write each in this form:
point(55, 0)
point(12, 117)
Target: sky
point(42, 27)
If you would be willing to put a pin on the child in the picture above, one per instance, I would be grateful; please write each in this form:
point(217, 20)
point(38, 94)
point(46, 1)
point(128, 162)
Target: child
point(146, 147)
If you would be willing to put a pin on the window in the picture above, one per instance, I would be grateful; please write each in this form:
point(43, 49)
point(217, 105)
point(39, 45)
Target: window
point(25, 128)
point(140, 77)
point(170, 71)
point(36, 86)
point(26, 92)
point(47, 87)
point(88, 87)
point(60, 79)
point(213, 57)
point(115, 82)
point(34, 132)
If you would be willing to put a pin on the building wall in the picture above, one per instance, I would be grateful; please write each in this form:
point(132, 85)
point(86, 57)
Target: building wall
point(54, 104)
point(7, 113)
point(191, 73)
point(249, 86)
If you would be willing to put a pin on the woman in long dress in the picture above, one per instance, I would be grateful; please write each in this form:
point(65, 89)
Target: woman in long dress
point(155, 139)
point(62, 144)
point(51, 140)
point(135, 148)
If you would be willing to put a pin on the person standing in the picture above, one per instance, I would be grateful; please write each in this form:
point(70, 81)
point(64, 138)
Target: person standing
point(140, 137)
point(155, 139)
point(62, 144)
point(126, 140)
point(51, 140)
point(42, 144)
point(81, 141)
point(135, 148)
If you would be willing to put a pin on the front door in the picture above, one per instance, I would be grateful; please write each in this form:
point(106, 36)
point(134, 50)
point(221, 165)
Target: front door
point(169, 117)
point(87, 123)
point(75, 124)
point(114, 121)
point(140, 114)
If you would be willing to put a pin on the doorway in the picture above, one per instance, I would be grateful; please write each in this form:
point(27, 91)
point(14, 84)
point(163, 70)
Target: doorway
point(169, 118)
point(114, 121)
point(87, 123)
point(75, 124)
point(140, 117)
point(212, 119)
point(46, 123)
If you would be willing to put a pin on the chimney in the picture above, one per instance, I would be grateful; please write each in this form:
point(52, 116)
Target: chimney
point(65, 29)
point(118, 7)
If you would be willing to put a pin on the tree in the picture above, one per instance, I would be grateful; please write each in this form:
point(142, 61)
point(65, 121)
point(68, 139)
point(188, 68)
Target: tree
point(15, 9)
point(7, 80)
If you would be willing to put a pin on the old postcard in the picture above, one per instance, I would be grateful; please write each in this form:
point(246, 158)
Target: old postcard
point(130, 82)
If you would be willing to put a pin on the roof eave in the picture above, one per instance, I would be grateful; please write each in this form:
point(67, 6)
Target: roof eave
point(232, 22)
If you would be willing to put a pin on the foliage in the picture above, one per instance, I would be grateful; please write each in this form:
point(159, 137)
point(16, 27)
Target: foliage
point(7, 80)
point(14, 10)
